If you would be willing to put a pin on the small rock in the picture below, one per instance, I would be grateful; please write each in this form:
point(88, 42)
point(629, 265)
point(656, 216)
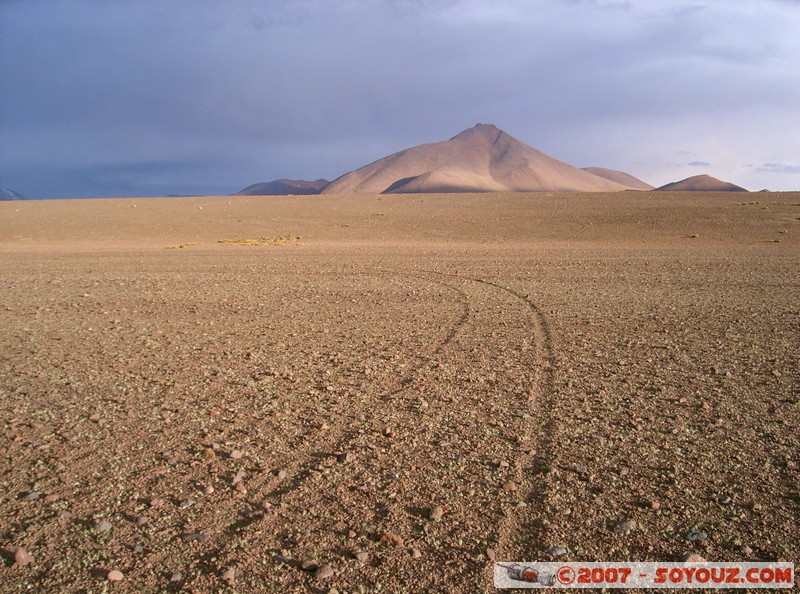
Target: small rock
point(282, 474)
point(186, 503)
point(209, 453)
point(697, 535)
point(747, 551)
point(176, 576)
point(390, 538)
point(104, 526)
point(324, 572)
point(436, 513)
point(265, 504)
point(509, 486)
point(239, 477)
point(142, 520)
point(416, 553)
point(309, 565)
point(344, 457)
point(32, 496)
point(138, 549)
point(654, 505)
point(240, 487)
point(503, 464)
point(94, 417)
point(115, 576)
point(22, 557)
point(625, 527)
point(195, 536)
point(557, 551)
point(156, 502)
point(229, 576)
point(235, 454)
point(50, 498)
point(693, 558)
point(362, 556)
point(490, 554)
point(208, 490)
point(351, 534)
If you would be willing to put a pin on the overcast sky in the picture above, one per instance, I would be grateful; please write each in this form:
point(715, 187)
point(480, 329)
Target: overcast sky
point(156, 97)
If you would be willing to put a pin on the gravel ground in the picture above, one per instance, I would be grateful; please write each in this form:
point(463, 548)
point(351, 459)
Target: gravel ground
point(365, 394)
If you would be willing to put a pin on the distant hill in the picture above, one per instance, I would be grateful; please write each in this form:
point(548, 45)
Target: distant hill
point(701, 183)
point(620, 177)
point(283, 187)
point(480, 159)
point(6, 194)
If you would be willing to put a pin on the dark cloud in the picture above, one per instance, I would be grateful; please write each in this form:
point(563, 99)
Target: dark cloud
point(114, 98)
point(699, 164)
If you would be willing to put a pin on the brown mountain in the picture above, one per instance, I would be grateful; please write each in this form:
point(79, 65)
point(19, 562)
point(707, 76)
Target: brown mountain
point(481, 159)
point(701, 183)
point(283, 187)
point(620, 177)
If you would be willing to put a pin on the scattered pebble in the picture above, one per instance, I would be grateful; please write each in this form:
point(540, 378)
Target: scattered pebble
point(351, 534)
point(142, 520)
point(436, 513)
point(32, 496)
point(324, 572)
point(229, 576)
point(50, 498)
point(104, 526)
point(557, 551)
point(509, 486)
point(22, 557)
point(390, 538)
point(195, 536)
point(416, 553)
point(186, 503)
point(693, 558)
point(115, 576)
point(362, 556)
point(654, 505)
point(309, 565)
point(209, 453)
point(747, 551)
point(344, 457)
point(176, 576)
point(282, 474)
point(625, 527)
point(208, 490)
point(236, 454)
point(697, 535)
point(490, 554)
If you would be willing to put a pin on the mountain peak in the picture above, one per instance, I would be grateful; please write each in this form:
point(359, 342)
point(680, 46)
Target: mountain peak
point(480, 159)
point(701, 183)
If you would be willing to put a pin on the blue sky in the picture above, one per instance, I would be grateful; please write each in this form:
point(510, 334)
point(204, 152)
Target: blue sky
point(138, 98)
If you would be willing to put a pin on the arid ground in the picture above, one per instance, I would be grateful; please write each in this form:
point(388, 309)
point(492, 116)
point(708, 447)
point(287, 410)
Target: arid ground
point(393, 390)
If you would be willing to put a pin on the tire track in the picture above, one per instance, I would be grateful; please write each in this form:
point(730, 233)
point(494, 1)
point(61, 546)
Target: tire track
point(451, 452)
point(333, 444)
point(522, 534)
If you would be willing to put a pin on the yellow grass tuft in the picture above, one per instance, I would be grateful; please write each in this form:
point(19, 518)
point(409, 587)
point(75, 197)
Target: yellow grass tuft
point(281, 240)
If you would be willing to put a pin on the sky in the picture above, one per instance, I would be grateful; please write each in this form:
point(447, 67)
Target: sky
point(156, 97)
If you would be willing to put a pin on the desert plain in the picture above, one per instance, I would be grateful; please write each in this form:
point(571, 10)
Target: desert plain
point(373, 393)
